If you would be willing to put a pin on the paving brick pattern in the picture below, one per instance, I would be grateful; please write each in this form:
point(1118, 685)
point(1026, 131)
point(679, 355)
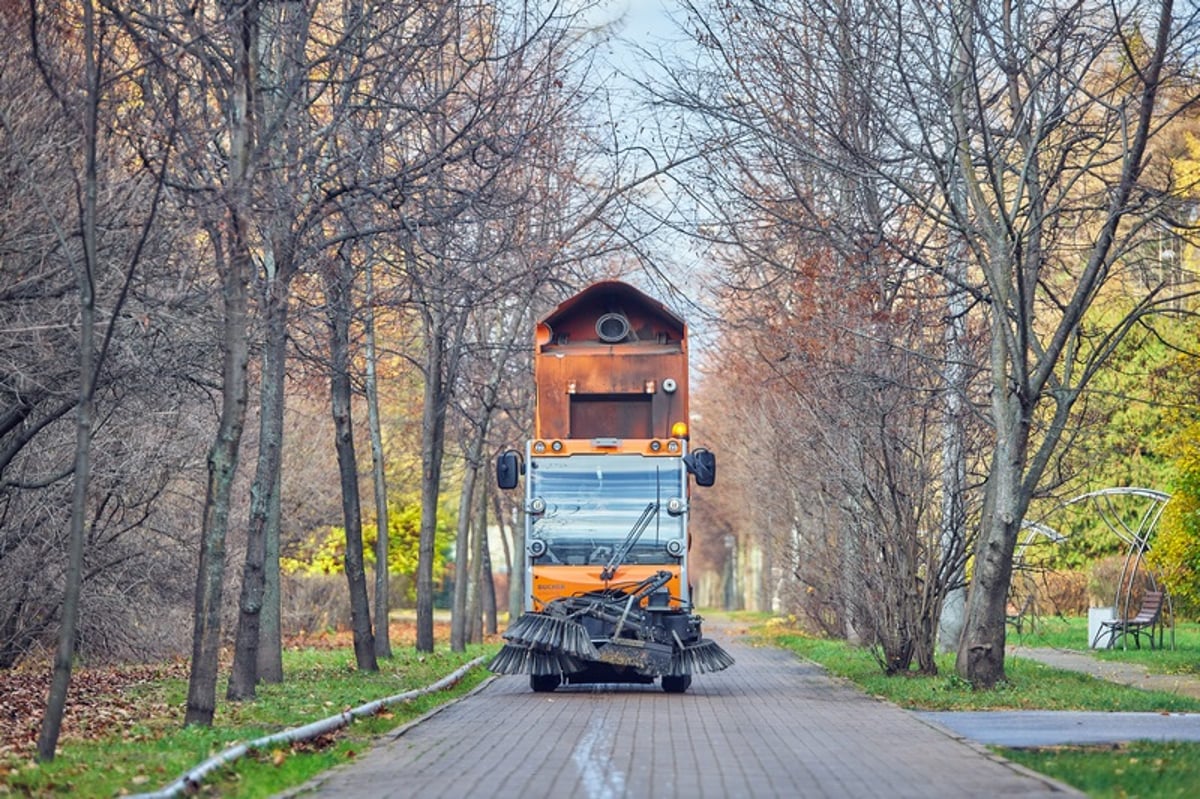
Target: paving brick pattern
point(770, 726)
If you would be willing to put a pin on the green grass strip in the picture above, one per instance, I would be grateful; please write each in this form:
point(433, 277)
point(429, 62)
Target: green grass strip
point(195, 777)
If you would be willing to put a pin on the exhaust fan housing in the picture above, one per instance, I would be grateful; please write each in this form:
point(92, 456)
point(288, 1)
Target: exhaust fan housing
point(612, 328)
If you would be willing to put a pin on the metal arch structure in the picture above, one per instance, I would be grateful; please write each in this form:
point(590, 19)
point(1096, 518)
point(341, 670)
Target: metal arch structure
point(1136, 538)
point(1139, 537)
point(1033, 531)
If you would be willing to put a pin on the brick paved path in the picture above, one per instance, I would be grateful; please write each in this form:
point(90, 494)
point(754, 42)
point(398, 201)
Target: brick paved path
point(770, 726)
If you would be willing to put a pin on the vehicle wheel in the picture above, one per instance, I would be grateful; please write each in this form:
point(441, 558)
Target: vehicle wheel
point(543, 683)
point(676, 684)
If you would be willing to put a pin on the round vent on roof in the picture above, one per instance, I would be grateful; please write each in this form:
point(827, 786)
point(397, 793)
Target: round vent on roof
point(612, 327)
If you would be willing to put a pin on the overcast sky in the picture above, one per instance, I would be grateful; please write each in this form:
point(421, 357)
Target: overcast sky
point(630, 29)
point(639, 18)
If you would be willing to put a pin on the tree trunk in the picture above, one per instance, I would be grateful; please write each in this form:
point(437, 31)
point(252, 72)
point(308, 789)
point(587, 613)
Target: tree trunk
point(282, 63)
point(270, 628)
point(222, 465)
point(488, 589)
point(383, 643)
point(223, 456)
point(460, 626)
point(64, 654)
point(953, 543)
point(513, 561)
point(980, 658)
point(244, 677)
point(953, 472)
point(475, 588)
point(433, 436)
point(338, 299)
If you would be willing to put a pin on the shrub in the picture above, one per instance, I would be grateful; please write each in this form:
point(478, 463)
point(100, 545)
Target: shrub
point(1062, 593)
point(1176, 550)
point(314, 602)
point(1176, 553)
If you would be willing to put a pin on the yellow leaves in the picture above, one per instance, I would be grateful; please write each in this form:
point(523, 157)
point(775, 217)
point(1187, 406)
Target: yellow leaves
point(278, 757)
point(1176, 547)
point(1187, 168)
point(322, 552)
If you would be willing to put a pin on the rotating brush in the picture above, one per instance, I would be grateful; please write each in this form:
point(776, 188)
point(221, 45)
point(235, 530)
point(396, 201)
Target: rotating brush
point(554, 634)
point(703, 656)
point(515, 659)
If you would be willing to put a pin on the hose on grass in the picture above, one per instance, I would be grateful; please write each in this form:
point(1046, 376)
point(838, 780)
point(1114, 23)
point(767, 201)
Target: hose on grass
point(194, 777)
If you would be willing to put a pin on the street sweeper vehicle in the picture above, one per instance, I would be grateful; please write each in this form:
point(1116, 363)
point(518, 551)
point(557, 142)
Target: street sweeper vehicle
point(607, 490)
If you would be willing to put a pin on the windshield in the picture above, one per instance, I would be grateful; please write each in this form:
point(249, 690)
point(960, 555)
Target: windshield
point(585, 506)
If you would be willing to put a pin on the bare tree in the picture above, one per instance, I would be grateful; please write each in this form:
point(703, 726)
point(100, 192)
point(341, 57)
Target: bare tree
point(338, 284)
point(819, 309)
point(280, 73)
point(339, 138)
point(83, 99)
point(383, 645)
point(85, 267)
point(502, 96)
point(434, 137)
point(1028, 188)
point(499, 340)
point(231, 247)
point(152, 349)
point(36, 396)
point(959, 126)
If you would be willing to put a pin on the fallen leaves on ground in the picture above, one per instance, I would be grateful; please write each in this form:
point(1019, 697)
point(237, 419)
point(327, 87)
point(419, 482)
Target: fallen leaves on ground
point(105, 700)
point(101, 701)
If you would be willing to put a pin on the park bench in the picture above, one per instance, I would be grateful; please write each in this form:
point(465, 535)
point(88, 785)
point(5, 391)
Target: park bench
point(1147, 620)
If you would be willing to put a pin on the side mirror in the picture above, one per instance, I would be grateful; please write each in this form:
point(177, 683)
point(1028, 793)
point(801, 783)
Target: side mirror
point(508, 469)
point(702, 464)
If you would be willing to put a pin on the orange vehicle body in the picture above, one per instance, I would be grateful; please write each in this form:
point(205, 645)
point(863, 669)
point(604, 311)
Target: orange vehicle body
point(625, 394)
point(607, 484)
point(588, 388)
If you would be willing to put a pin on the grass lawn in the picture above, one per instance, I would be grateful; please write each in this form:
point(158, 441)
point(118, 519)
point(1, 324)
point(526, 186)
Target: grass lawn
point(133, 741)
point(1070, 632)
point(1140, 769)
